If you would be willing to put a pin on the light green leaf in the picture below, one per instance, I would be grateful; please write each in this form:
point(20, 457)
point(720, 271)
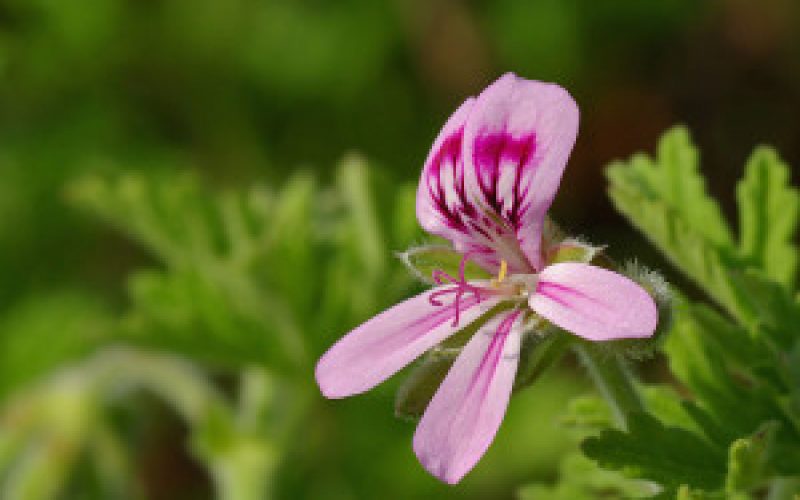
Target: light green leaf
point(673, 178)
point(588, 413)
point(769, 212)
point(41, 332)
point(666, 199)
point(580, 479)
point(748, 457)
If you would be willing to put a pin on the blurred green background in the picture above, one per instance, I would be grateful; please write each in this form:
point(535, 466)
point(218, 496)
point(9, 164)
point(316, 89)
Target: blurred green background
point(111, 109)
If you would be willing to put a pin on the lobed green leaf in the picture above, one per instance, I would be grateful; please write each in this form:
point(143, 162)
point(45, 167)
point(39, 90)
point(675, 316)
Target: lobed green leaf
point(769, 213)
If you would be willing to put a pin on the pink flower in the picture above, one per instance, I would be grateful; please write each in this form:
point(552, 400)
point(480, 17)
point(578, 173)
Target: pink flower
point(487, 183)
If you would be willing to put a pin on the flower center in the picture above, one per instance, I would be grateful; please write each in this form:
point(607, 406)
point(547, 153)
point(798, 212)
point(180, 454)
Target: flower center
point(516, 286)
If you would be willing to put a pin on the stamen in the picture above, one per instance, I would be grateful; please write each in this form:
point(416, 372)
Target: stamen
point(460, 289)
point(503, 270)
point(501, 274)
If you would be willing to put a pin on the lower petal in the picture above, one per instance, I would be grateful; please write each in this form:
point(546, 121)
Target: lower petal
point(385, 344)
point(594, 303)
point(463, 417)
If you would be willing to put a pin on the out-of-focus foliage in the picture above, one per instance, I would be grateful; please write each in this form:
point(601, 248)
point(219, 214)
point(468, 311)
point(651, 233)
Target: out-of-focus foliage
point(61, 430)
point(737, 433)
point(125, 113)
point(254, 282)
point(248, 275)
point(40, 333)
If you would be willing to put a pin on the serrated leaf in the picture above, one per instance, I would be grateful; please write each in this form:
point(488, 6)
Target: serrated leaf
point(736, 408)
point(670, 456)
point(769, 212)
point(666, 199)
point(673, 177)
point(777, 313)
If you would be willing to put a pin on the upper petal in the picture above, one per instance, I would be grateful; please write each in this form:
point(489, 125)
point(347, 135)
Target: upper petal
point(386, 343)
point(463, 417)
point(516, 144)
point(594, 303)
point(443, 208)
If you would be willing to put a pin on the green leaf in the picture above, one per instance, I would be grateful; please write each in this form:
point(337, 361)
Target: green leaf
point(669, 455)
point(251, 276)
point(581, 479)
point(686, 493)
point(673, 178)
point(776, 311)
point(769, 212)
point(588, 413)
point(748, 457)
point(737, 408)
point(41, 332)
point(665, 198)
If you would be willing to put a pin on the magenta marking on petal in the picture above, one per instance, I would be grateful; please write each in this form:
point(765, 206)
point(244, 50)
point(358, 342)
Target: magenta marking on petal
point(560, 293)
point(594, 303)
point(490, 153)
point(449, 156)
point(493, 352)
point(425, 324)
point(464, 415)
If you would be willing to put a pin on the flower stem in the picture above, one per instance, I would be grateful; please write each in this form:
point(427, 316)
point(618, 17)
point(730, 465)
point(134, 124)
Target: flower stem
point(613, 380)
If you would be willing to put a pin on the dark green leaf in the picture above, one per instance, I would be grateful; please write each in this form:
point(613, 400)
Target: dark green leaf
point(669, 455)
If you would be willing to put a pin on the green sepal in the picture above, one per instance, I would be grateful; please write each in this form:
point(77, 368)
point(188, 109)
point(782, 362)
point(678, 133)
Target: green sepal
point(418, 389)
point(423, 260)
point(572, 250)
point(541, 347)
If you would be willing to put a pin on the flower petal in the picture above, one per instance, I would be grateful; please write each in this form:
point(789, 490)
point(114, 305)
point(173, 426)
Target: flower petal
point(594, 303)
point(379, 348)
point(442, 205)
point(463, 417)
point(516, 143)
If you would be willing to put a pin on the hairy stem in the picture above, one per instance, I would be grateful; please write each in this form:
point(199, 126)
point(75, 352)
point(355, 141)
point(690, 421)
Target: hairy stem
point(614, 382)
